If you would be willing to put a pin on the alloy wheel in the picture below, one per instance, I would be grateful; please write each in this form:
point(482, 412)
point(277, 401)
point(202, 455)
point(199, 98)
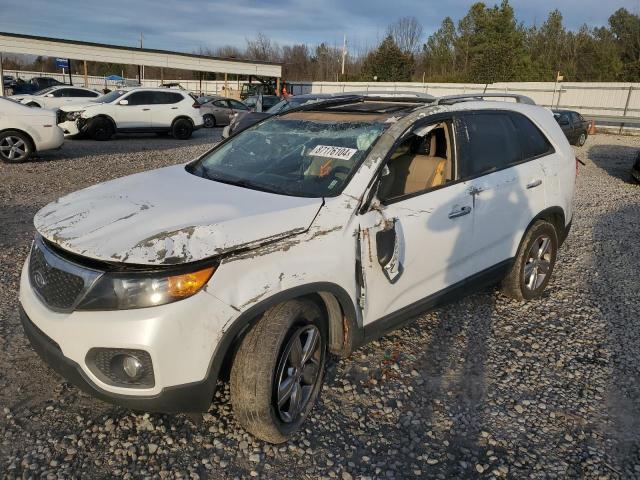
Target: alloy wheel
point(538, 263)
point(298, 371)
point(13, 148)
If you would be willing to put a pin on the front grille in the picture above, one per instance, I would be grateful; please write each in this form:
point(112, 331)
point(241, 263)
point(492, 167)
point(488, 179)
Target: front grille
point(57, 281)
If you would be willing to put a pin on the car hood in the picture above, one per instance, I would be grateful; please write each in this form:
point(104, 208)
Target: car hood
point(77, 107)
point(169, 216)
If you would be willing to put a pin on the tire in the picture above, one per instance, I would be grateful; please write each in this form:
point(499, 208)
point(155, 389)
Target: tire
point(209, 120)
point(101, 129)
point(264, 362)
point(182, 129)
point(581, 139)
point(15, 147)
point(534, 262)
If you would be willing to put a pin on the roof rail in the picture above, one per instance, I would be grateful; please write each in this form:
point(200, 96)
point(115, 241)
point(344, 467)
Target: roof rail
point(467, 97)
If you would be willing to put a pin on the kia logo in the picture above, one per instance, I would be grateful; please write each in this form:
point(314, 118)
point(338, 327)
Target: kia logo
point(39, 279)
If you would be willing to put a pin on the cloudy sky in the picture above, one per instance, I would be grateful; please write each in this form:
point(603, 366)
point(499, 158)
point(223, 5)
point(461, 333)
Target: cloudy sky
point(188, 25)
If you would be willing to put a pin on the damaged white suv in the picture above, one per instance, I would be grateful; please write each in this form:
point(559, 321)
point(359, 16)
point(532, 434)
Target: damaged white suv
point(309, 233)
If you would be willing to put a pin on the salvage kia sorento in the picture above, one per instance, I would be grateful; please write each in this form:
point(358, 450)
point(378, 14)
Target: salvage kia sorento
point(308, 234)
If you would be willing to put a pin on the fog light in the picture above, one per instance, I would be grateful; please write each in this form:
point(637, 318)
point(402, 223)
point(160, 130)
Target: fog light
point(122, 367)
point(132, 367)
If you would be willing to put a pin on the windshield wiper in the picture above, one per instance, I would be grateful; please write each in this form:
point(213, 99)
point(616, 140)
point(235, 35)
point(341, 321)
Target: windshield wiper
point(241, 182)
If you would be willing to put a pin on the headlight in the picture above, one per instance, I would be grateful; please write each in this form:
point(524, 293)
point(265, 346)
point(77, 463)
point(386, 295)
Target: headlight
point(119, 291)
point(74, 115)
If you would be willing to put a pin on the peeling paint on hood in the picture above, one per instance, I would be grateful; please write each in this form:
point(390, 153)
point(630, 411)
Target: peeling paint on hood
point(168, 217)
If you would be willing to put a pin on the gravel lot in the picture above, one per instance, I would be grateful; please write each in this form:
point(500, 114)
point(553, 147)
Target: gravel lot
point(484, 387)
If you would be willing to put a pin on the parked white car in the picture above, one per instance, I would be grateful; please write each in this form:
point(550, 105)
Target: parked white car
point(131, 110)
point(56, 97)
point(25, 130)
point(311, 232)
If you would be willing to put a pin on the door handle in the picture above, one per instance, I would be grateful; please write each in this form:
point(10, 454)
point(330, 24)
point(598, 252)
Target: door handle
point(534, 183)
point(174, 108)
point(460, 212)
point(146, 109)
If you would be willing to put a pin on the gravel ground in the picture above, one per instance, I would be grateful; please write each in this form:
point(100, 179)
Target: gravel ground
point(484, 387)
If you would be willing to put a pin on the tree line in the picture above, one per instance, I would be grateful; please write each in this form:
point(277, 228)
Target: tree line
point(486, 45)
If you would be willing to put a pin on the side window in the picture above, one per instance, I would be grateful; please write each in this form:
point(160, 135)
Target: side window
point(486, 142)
point(532, 141)
point(139, 98)
point(220, 104)
point(85, 93)
point(575, 118)
point(61, 92)
point(238, 105)
point(424, 160)
point(166, 98)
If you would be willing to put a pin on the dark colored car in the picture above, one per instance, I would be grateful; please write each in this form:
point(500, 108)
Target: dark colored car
point(246, 119)
point(635, 170)
point(8, 80)
point(574, 126)
point(268, 101)
point(34, 85)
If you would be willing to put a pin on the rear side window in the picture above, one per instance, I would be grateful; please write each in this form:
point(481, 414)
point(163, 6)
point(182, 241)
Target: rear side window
point(165, 98)
point(487, 142)
point(532, 141)
point(84, 93)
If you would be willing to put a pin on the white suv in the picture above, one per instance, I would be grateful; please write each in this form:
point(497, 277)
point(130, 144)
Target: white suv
point(309, 233)
point(158, 110)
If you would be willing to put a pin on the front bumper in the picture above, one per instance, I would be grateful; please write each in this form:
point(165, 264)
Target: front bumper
point(181, 338)
point(193, 397)
point(70, 127)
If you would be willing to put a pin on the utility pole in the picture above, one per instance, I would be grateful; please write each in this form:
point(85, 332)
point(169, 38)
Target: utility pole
point(141, 68)
point(344, 54)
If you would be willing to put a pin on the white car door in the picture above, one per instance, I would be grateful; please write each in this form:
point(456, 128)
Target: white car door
point(133, 111)
point(165, 108)
point(67, 96)
point(499, 153)
point(415, 243)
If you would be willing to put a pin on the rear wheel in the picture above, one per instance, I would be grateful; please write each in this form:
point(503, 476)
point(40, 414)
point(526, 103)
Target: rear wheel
point(209, 120)
point(182, 129)
point(534, 262)
point(278, 370)
point(15, 147)
point(101, 129)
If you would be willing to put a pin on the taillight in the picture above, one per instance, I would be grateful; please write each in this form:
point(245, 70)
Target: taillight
point(196, 105)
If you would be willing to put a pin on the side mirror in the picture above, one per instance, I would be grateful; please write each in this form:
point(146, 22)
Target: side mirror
point(388, 247)
point(123, 102)
point(49, 95)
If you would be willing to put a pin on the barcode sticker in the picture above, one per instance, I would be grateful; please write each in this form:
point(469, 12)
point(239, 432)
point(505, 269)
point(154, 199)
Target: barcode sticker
point(341, 153)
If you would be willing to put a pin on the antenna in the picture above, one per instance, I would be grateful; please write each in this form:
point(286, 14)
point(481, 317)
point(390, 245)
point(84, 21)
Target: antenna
point(344, 53)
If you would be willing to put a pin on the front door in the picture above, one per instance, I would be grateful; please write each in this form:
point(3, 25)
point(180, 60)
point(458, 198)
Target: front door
point(136, 114)
point(415, 243)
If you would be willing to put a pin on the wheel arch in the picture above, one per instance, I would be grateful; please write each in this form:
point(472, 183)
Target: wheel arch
point(106, 117)
point(182, 117)
point(345, 333)
point(556, 217)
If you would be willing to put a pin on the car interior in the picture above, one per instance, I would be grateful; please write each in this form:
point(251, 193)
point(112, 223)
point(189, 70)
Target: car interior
point(422, 161)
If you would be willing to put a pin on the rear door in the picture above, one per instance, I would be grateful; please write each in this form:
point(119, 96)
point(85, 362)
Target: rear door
point(165, 108)
point(500, 156)
point(222, 111)
point(136, 114)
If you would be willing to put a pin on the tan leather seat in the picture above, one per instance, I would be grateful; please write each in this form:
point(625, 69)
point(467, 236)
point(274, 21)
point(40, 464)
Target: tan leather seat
point(416, 172)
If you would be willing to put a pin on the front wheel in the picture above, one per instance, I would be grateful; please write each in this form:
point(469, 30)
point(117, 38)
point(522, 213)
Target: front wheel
point(182, 129)
point(534, 262)
point(278, 370)
point(15, 146)
point(101, 129)
point(582, 139)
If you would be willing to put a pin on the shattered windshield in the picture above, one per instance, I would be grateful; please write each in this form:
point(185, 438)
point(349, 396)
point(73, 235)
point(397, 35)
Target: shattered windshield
point(292, 156)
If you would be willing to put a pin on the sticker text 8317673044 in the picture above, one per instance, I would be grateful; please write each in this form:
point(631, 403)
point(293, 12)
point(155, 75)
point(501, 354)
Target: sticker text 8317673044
point(341, 153)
